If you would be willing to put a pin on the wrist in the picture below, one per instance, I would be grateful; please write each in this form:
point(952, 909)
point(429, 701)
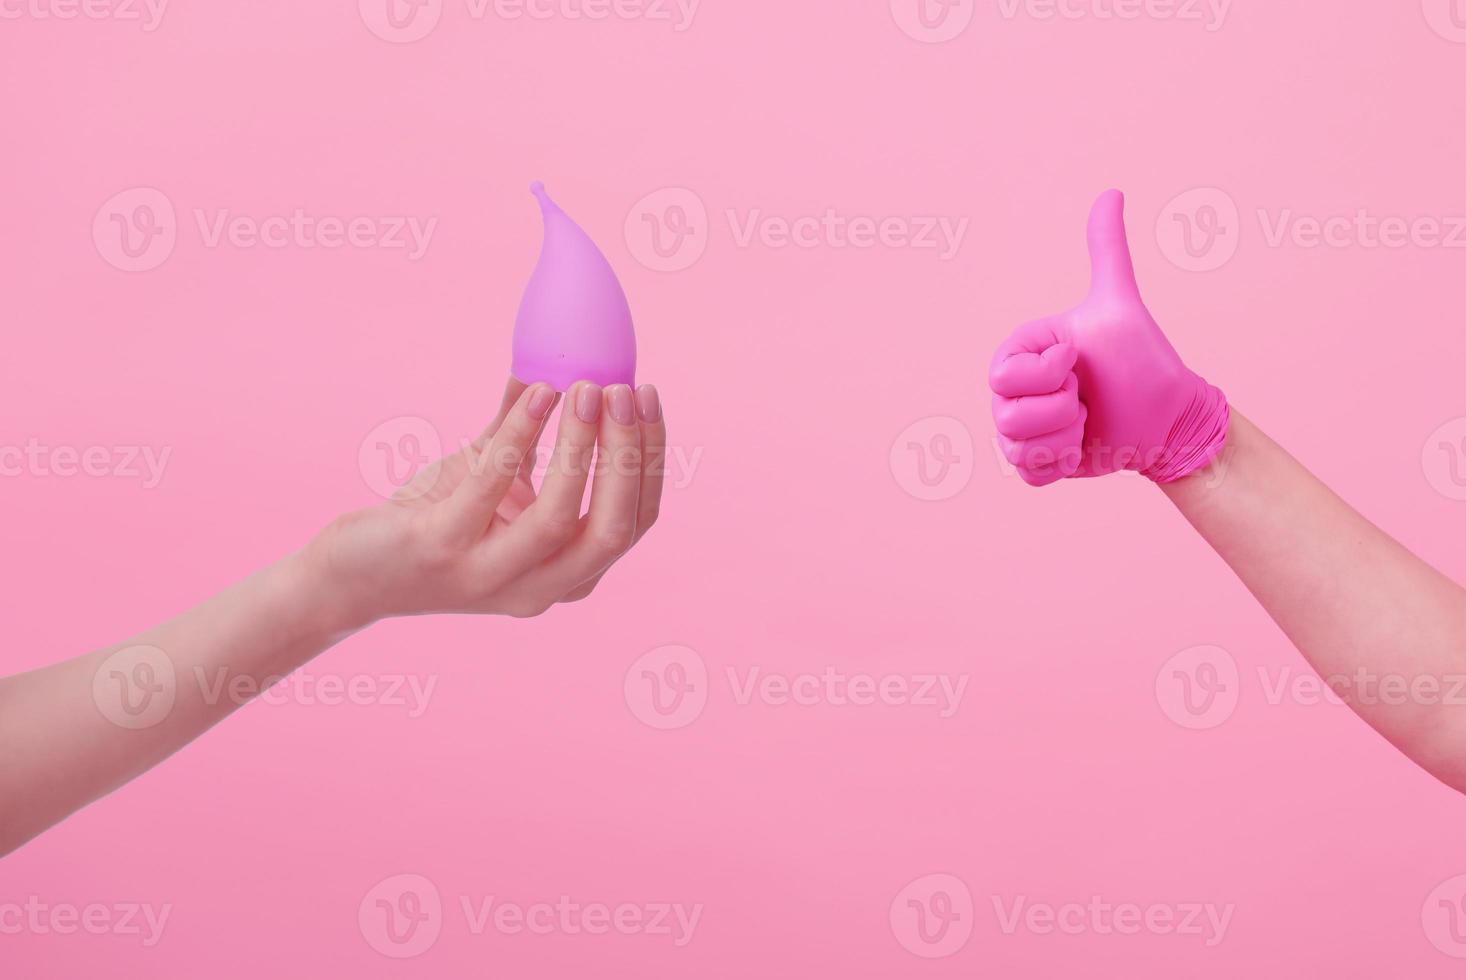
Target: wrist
point(1198, 490)
point(1196, 437)
point(337, 603)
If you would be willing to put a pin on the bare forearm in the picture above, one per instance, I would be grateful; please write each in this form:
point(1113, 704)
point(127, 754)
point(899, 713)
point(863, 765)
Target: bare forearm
point(1356, 603)
point(74, 731)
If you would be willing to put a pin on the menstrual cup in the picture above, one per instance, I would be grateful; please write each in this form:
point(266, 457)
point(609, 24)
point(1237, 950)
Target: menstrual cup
point(574, 323)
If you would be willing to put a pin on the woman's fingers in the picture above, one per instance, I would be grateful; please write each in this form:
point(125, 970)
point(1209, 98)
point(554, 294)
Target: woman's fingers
point(513, 388)
point(564, 485)
point(552, 553)
point(653, 458)
point(1034, 415)
point(553, 519)
point(1050, 457)
point(492, 471)
point(610, 526)
point(616, 490)
point(1036, 405)
point(653, 474)
point(1035, 360)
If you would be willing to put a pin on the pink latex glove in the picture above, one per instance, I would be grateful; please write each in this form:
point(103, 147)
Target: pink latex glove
point(1099, 389)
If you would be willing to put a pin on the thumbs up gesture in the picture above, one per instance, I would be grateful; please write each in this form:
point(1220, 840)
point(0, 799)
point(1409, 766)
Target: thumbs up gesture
point(1099, 389)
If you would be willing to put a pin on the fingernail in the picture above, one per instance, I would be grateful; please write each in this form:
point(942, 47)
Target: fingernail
point(648, 404)
point(588, 403)
point(541, 402)
point(618, 401)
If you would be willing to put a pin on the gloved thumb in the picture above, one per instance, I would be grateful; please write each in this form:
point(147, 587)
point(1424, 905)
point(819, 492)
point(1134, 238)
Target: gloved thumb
point(1111, 271)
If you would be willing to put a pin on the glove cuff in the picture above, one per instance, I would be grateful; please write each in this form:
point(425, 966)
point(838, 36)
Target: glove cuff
point(1198, 434)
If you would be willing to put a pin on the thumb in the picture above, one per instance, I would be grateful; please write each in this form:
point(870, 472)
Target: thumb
point(1109, 253)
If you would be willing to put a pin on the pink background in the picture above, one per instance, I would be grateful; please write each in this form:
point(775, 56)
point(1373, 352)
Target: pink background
point(799, 542)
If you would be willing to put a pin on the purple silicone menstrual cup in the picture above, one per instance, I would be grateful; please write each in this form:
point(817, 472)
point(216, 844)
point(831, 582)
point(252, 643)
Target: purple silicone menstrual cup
point(574, 323)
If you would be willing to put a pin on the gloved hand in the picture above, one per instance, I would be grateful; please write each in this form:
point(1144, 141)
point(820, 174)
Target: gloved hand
point(1099, 389)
